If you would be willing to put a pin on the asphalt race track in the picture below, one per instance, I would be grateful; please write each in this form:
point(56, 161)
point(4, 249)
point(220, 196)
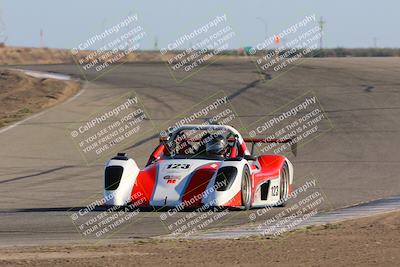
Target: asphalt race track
point(43, 176)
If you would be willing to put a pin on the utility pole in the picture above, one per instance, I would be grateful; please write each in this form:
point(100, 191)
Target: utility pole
point(265, 26)
point(375, 41)
point(156, 43)
point(104, 24)
point(321, 23)
point(42, 38)
point(3, 32)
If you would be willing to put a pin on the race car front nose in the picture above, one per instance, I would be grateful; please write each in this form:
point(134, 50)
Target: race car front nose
point(119, 178)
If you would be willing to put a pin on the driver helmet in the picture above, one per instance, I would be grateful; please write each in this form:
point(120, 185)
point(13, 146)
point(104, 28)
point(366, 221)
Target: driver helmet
point(216, 146)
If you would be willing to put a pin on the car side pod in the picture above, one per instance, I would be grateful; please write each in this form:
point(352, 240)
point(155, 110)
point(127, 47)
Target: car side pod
point(119, 177)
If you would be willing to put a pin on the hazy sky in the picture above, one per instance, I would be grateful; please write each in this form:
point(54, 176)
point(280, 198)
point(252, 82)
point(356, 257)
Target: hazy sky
point(350, 23)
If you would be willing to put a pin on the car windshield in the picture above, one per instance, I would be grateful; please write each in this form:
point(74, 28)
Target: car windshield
point(192, 143)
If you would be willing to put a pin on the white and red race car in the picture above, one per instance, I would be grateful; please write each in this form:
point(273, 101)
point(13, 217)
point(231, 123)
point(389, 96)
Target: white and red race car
point(180, 173)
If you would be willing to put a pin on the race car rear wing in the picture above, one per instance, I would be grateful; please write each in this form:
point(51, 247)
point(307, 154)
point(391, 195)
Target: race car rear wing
point(253, 141)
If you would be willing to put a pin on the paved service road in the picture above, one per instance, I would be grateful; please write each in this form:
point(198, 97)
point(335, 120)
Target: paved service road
point(42, 174)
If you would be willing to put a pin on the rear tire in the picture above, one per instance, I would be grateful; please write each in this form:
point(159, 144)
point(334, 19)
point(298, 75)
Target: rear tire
point(284, 185)
point(246, 188)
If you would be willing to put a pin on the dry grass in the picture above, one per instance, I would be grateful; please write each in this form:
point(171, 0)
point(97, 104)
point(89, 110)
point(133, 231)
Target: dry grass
point(22, 95)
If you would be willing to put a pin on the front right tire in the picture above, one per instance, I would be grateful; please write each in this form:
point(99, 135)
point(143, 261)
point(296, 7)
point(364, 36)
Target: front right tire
point(284, 185)
point(246, 188)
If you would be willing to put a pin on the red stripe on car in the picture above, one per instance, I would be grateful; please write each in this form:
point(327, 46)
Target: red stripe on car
point(198, 184)
point(144, 186)
point(236, 201)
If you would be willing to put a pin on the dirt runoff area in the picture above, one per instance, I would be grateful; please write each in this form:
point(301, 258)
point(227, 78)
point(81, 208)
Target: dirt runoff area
point(22, 95)
point(372, 241)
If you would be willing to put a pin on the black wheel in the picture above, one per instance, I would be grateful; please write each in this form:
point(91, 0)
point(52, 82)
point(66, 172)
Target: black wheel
point(246, 188)
point(284, 185)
